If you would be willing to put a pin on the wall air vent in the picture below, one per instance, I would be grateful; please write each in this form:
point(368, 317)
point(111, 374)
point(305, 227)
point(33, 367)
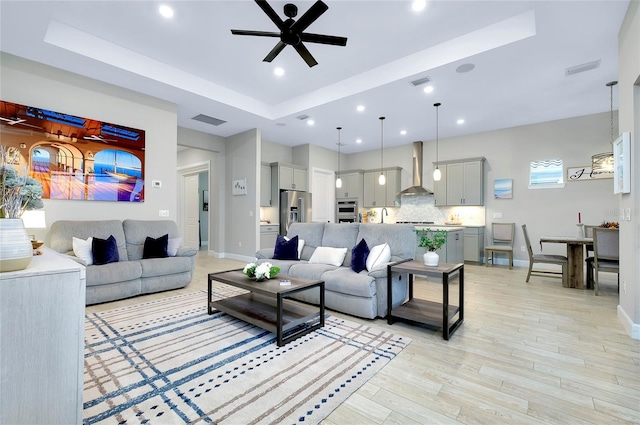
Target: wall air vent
point(421, 81)
point(208, 120)
point(581, 68)
point(302, 117)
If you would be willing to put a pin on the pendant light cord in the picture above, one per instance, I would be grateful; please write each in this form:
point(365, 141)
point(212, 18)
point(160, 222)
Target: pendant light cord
point(611, 84)
point(437, 105)
point(339, 144)
point(381, 142)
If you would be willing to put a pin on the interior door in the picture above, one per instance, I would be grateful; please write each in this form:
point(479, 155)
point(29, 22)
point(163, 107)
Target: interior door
point(192, 212)
point(323, 195)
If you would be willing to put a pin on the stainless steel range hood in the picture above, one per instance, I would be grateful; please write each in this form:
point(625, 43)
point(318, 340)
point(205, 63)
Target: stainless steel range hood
point(417, 188)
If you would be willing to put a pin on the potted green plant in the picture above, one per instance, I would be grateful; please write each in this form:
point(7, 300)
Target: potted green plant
point(432, 241)
point(18, 193)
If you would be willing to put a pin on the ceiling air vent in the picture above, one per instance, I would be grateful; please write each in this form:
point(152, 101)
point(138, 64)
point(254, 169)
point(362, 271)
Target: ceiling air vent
point(581, 68)
point(421, 81)
point(208, 120)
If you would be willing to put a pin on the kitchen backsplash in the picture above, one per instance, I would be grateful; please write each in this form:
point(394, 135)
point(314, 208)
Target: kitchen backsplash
point(422, 208)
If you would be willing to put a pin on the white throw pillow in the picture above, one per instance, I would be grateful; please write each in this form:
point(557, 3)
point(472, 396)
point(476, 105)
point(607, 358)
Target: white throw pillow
point(172, 246)
point(378, 257)
point(82, 249)
point(300, 246)
point(328, 255)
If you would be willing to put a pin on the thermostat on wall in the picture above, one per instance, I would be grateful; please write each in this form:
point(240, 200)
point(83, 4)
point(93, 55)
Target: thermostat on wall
point(156, 183)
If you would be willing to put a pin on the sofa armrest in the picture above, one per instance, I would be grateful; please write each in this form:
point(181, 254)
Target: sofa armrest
point(264, 253)
point(185, 251)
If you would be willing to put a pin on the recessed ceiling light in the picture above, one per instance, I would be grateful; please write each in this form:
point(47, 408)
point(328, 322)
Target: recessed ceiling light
point(358, 140)
point(418, 5)
point(465, 67)
point(460, 121)
point(279, 71)
point(403, 132)
point(360, 108)
point(311, 122)
point(280, 124)
point(428, 89)
point(166, 11)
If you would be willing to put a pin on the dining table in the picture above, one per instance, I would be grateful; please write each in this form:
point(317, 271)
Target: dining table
point(575, 257)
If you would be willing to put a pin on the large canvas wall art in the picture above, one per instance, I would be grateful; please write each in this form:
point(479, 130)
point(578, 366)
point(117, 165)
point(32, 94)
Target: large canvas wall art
point(74, 157)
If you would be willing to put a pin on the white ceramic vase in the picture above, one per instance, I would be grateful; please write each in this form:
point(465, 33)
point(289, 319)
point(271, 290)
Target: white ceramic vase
point(431, 258)
point(16, 251)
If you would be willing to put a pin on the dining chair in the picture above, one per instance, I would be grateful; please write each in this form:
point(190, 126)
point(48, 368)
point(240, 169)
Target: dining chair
point(588, 233)
point(560, 260)
point(502, 236)
point(606, 254)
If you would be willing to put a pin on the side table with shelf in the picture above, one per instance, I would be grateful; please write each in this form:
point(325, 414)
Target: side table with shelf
point(430, 313)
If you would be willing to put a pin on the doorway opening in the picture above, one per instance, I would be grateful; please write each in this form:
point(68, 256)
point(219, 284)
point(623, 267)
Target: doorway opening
point(194, 214)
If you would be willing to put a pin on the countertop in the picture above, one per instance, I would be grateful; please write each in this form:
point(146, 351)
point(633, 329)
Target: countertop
point(437, 227)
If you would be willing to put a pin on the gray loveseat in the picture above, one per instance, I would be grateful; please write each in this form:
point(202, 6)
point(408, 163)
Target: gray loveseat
point(131, 275)
point(361, 294)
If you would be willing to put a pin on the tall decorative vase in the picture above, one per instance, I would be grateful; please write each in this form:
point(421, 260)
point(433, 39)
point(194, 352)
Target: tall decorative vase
point(431, 258)
point(16, 251)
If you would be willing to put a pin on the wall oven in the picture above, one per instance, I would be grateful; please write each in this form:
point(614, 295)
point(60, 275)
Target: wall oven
point(347, 211)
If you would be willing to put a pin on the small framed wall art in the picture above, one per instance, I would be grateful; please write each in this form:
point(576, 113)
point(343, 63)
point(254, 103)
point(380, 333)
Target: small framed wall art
point(239, 187)
point(503, 189)
point(622, 161)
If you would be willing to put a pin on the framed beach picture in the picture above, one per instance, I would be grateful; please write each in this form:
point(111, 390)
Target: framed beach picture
point(503, 189)
point(622, 160)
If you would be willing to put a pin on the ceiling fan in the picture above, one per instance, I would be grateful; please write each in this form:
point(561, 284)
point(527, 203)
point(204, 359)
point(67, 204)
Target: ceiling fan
point(292, 31)
point(98, 138)
point(20, 121)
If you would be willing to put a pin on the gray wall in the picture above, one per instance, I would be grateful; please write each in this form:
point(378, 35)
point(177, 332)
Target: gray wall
point(629, 120)
point(33, 84)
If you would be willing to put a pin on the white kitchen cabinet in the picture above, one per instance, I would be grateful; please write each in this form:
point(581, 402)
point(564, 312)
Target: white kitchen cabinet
point(376, 195)
point(268, 235)
point(462, 183)
point(42, 341)
point(265, 185)
point(474, 244)
point(352, 185)
point(289, 177)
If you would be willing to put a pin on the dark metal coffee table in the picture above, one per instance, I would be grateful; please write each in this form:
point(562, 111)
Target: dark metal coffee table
point(268, 306)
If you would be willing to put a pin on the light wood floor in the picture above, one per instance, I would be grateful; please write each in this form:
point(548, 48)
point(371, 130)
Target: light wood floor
point(531, 353)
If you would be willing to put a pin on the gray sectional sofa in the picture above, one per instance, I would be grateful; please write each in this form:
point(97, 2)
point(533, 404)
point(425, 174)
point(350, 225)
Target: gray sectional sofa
point(361, 294)
point(131, 275)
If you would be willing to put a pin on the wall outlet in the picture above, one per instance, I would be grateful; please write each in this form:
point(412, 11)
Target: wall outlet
point(523, 248)
point(497, 215)
point(627, 213)
point(163, 213)
point(239, 244)
point(156, 183)
point(624, 286)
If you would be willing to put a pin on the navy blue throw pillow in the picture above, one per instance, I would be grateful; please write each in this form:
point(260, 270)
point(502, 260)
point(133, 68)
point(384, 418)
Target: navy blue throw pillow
point(359, 255)
point(286, 249)
point(155, 248)
point(105, 250)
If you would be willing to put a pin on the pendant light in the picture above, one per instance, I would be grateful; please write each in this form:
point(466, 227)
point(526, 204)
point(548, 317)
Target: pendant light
point(338, 179)
point(603, 162)
point(437, 175)
point(381, 180)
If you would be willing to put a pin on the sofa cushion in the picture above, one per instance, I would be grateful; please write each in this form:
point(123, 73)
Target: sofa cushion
point(359, 255)
point(328, 255)
point(63, 231)
point(346, 281)
point(136, 232)
point(286, 249)
point(284, 265)
point(155, 247)
point(310, 271)
point(82, 249)
point(104, 251)
point(165, 266)
point(342, 235)
point(121, 271)
point(311, 233)
point(400, 237)
point(378, 257)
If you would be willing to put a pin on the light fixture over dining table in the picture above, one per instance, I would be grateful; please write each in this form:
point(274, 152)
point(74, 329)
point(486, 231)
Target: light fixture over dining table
point(603, 162)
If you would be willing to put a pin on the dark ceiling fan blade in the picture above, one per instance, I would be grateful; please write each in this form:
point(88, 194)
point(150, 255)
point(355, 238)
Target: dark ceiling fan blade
point(305, 54)
point(275, 52)
point(323, 39)
point(256, 33)
point(271, 14)
point(310, 16)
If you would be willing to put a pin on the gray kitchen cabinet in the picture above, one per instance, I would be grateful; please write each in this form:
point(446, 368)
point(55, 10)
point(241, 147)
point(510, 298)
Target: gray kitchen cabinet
point(352, 185)
point(474, 244)
point(451, 252)
point(289, 177)
point(462, 183)
point(265, 185)
point(376, 195)
point(268, 235)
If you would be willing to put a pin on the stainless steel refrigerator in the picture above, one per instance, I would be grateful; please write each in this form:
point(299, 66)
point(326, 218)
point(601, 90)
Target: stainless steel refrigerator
point(295, 207)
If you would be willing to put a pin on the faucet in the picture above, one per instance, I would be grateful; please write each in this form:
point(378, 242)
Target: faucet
point(384, 210)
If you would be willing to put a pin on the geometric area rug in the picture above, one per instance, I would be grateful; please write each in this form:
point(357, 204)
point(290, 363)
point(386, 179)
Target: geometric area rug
point(168, 362)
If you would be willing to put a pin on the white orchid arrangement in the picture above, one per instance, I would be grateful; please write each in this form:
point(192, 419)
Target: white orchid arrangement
point(262, 271)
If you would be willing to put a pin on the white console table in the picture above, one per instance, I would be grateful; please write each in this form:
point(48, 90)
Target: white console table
point(42, 341)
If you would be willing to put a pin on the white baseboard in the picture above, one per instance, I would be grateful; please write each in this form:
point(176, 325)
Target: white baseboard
point(633, 329)
point(237, 257)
